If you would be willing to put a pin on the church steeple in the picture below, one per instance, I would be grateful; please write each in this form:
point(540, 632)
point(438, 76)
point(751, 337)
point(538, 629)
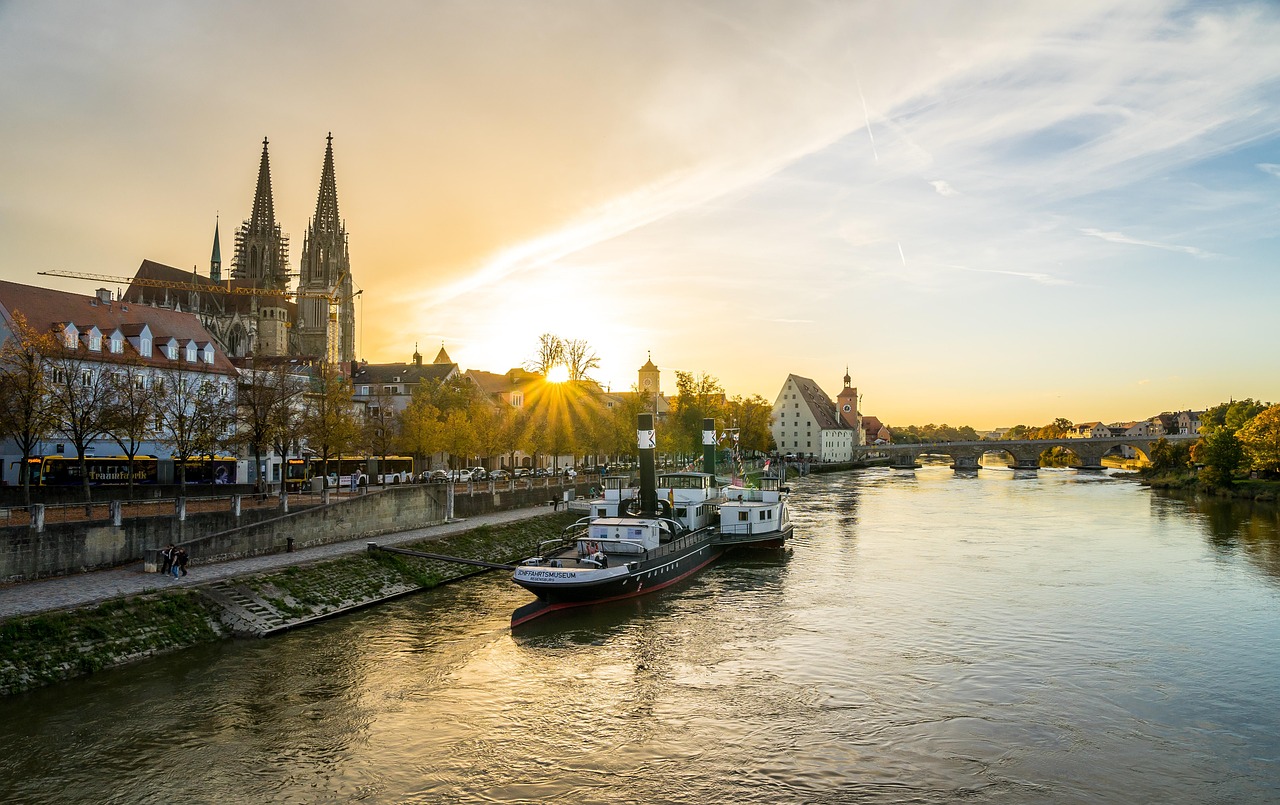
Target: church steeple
point(848, 381)
point(326, 309)
point(262, 252)
point(215, 262)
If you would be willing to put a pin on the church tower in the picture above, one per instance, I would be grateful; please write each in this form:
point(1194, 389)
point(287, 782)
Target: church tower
point(215, 261)
point(648, 378)
point(847, 404)
point(262, 261)
point(326, 307)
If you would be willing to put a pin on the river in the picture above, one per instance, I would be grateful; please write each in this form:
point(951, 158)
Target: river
point(996, 637)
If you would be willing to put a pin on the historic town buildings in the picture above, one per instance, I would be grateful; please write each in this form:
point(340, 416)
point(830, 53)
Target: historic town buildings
point(807, 423)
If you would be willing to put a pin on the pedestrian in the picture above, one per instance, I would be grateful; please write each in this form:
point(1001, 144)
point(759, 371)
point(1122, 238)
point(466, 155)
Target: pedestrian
point(166, 558)
point(182, 560)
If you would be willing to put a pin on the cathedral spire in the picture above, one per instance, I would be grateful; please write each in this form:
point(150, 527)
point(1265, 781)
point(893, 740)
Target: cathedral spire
point(264, 208)
point(326, 218)
point(215, 262)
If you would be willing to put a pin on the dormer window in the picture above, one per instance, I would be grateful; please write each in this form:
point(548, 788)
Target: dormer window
point(144, 347)
point(191, 352)
point(116, 342)
point(70, 336)
point(207, 353)
point(94, 337)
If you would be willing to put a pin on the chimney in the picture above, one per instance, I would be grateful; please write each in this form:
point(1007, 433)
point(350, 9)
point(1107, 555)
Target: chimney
point(709, 448)
point(647, 444)
point(104, 296)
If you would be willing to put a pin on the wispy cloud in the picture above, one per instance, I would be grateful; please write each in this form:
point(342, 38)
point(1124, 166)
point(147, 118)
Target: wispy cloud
point(1269, 167)
point(944, 188)
point(1120, 237)
point(1034, 276)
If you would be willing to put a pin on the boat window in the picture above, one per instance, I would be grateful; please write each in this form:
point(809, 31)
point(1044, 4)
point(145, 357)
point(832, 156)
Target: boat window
point(683, 481)
point(682, 512)
point(742, 516)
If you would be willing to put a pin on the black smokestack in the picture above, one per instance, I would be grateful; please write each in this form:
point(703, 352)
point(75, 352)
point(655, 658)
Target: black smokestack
point(709, 447)
point(646, 441)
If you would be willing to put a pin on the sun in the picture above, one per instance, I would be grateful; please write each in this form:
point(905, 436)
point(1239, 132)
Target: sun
point(558, 373)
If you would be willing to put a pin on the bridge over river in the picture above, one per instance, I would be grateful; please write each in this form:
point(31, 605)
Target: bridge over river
point(1024, 452)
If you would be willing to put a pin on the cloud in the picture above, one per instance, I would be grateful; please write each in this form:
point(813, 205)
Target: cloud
point(1269, 167)
point(1034, 276)
point(1120, 237)
point(944, 188)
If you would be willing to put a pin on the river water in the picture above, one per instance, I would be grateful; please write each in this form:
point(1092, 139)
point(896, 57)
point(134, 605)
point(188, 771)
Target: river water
point(928, 637)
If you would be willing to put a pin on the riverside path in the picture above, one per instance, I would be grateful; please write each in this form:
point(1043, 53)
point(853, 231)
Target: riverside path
point(81, 589)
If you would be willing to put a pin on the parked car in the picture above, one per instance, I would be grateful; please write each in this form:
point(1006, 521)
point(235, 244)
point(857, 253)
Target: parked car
point(462, 476)
point(499, 475)
point(439, 476)
point(521, 472)
point(479, 473)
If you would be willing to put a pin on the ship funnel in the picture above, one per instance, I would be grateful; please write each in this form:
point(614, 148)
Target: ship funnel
point(709, 448)
point(647, 443)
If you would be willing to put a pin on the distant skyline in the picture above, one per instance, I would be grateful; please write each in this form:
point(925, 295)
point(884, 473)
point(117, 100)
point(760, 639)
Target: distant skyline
point(992, 213)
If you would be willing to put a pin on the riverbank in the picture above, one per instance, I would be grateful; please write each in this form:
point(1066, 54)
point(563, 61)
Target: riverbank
point(47, 647)
point(1246, 489)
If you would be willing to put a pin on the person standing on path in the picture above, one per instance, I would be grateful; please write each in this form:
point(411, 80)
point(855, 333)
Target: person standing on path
point(181, 563)
point(166, 558)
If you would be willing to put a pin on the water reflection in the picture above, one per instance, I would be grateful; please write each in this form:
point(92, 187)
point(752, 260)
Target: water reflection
point(1232, 526)
point(926, 638)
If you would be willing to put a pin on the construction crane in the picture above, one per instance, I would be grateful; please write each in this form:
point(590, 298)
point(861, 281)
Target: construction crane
point(145, 282)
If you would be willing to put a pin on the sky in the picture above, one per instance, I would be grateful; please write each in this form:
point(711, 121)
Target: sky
point(992, 213)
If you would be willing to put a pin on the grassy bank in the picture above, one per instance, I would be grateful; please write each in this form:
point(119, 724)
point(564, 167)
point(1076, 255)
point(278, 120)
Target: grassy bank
point(1245, 489)
point(38, 650)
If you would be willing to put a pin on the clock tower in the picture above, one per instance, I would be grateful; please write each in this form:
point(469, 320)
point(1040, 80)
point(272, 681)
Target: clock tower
point(648, 378)
point(847, 404)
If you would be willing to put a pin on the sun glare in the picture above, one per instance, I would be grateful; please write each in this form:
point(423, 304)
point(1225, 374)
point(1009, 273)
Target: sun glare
point(558, 373)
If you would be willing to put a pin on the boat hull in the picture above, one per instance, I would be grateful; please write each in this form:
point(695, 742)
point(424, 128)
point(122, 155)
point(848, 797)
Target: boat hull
point(768, 539)
point(557, 590)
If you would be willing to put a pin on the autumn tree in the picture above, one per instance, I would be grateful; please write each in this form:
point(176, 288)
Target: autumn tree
point(487, 424)
point(550, 352)
point(751, 416)
point(458, 438)
point(1221, 454)
point(580, 359)
point(1260, 438)
point(25, 415)
point(699, 397)
point(421, 431)
point(329, 424)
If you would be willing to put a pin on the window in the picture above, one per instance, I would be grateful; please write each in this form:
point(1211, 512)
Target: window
point(364, 391)
point(144, 347)
point(388, 389)
point(117, 344)
point(95, 341)
point(191, 353)
point(742, 516)
point(86, 378)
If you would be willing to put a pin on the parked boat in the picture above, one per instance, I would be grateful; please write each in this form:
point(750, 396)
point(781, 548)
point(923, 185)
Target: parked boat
point(755, 518)
point(666, 533)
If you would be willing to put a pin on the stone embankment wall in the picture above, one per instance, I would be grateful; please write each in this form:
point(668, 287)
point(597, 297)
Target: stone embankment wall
point(66, 495)
point(37, 650)
point(75, 547)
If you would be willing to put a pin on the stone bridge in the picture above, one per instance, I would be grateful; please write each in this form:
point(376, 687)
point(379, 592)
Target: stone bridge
point(1024, 452)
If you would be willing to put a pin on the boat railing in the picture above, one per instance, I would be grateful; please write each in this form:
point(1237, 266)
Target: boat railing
point(737, 528)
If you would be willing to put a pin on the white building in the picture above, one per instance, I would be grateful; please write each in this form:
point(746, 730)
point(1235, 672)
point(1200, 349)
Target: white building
point(808, 424)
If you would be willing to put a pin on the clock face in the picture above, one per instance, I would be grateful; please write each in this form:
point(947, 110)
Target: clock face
point(847, 408)
point(648, 382)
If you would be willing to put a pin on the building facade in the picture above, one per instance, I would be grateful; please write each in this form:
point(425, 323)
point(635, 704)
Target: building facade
point(806, 423)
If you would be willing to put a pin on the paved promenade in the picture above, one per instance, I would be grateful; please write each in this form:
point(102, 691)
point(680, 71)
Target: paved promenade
point(65, 592)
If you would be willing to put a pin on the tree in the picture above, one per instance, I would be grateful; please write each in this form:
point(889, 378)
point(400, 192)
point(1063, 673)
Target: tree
point(329, 424)
point(1221, 454)
point(25, 415)
point(487, 424)
point(580, 359)
point(699, 397)
point(1260, 439)
point(80, 396)
point(193, 410)
point(260, 393)
point(1167, 456)
point(380, 426)
point(456, 393)
point(751, 416)
point(551, 352)
point(130, 413)
point(458, 438)
point(421, 431)
point(1232, 415)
